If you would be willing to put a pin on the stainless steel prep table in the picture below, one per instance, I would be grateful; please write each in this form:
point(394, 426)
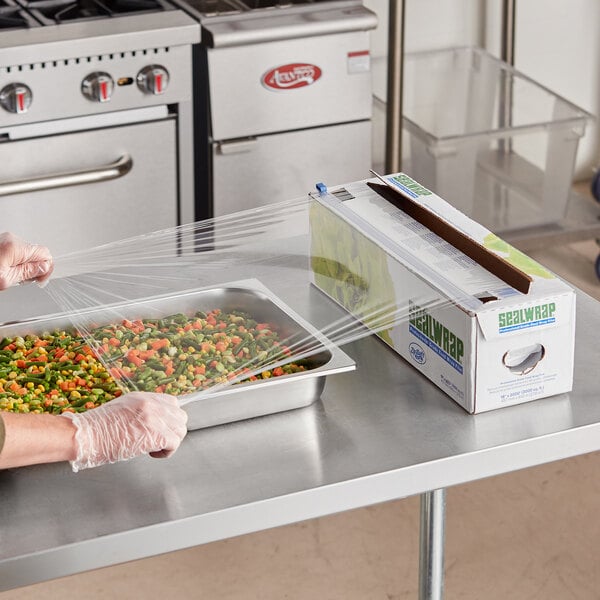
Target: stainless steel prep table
point(380, 433)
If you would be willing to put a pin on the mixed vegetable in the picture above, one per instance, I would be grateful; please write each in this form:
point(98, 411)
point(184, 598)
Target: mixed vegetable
point(60, 372)
point(180, 354)
point(52, 373)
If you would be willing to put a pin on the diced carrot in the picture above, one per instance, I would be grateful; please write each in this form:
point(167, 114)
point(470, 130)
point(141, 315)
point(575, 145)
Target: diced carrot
point(133, 357)
point(20, 364)
point(200, 370)
point(278, 371)
point(220, 346)
point(116, 373)
point(136, 360)
point(158, 344)
point(114, 342)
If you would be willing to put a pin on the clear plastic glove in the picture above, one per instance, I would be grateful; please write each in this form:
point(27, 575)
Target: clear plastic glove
point(129, 426)
point(21, 261)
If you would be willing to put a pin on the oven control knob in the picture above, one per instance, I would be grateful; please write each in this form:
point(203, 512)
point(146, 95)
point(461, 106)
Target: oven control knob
point(15, 98)
point(153, 79)
point(98, 86)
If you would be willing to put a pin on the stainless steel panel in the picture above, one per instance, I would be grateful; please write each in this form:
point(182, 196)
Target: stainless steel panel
point(240, 401)
point(341, 94)
point(257, 171)
point(286, 23)
point(95, 37)
point(68, 219)
point(56, 84)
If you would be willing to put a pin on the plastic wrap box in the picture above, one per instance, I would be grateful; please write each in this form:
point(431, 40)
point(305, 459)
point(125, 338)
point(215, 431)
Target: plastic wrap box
point(492, 142)
point(480, 319)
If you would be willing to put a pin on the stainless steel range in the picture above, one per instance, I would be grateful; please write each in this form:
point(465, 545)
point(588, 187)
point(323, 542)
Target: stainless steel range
point(283, 91)
point(96, 119)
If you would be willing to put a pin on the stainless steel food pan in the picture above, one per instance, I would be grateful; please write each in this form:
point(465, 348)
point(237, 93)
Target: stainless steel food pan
point(236, 402)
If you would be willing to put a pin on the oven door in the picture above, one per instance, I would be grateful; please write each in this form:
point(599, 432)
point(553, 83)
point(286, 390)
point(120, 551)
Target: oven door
point(76, 190)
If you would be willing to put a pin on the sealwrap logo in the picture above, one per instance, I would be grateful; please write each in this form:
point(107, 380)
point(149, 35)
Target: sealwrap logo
point(446, 344)
point(523, 318)
point(409, 186)
point(291, 76)
point(417, 353)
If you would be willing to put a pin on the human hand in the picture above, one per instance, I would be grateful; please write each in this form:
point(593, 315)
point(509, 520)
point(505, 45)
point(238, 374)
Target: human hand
point(129, 426)
point(21, 261)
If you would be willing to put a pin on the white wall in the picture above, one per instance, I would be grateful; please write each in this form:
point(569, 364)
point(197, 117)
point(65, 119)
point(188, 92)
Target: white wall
point(429, 24)
point(557, 43)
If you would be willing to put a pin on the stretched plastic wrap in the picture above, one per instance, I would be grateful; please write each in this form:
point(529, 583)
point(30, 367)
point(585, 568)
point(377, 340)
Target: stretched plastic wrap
point(207, 305)
point(197, 309)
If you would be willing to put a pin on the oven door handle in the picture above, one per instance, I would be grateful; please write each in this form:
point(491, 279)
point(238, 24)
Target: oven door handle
point(117, 169)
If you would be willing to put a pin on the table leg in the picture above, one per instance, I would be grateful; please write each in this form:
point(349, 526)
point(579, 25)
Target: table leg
point(431, 549)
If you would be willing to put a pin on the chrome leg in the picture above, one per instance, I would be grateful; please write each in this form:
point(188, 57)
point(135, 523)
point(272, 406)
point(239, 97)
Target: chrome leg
point(431, 550)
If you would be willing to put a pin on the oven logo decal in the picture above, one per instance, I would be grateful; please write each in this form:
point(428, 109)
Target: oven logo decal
point(291, 76)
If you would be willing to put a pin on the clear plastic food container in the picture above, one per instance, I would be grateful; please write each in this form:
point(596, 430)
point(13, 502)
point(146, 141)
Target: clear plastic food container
point(488, 139)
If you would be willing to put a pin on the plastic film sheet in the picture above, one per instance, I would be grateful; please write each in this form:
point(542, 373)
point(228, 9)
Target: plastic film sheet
point(201, 307)
point(165, 311)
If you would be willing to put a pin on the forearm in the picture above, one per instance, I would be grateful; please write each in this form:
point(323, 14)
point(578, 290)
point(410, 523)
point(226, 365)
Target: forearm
point(31, 439)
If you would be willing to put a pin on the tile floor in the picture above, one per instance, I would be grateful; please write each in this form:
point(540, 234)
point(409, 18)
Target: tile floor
point(528, 535)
